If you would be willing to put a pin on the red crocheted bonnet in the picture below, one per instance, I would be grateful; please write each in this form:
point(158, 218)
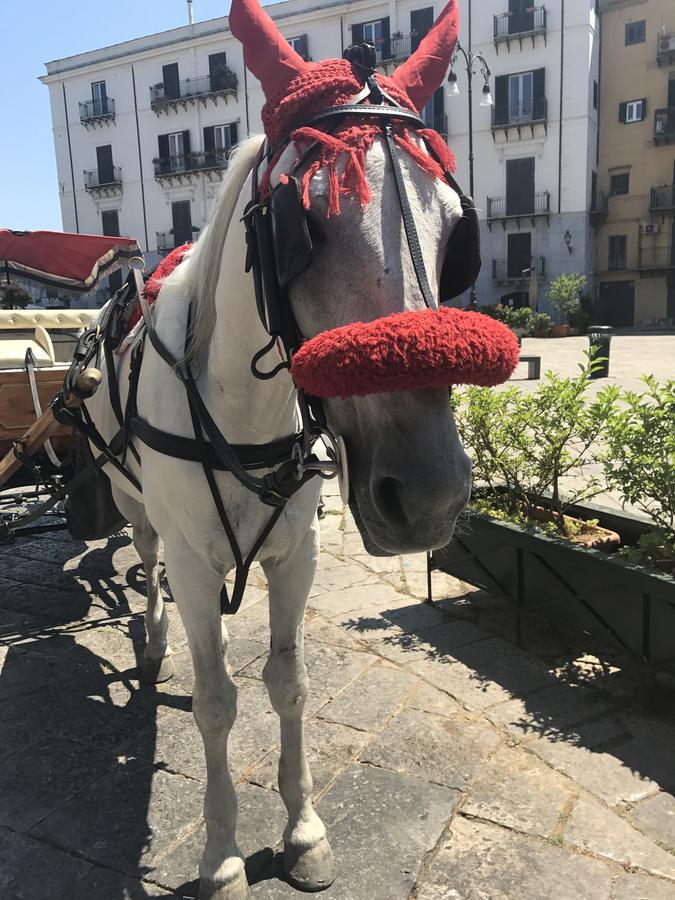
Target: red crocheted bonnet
point(296, 89)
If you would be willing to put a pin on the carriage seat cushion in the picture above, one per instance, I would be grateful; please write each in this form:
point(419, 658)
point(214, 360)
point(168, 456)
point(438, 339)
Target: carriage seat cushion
point(13, 352)
point(28, 319)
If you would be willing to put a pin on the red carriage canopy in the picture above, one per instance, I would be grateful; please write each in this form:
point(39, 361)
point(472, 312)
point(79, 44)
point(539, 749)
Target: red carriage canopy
point(72, 262)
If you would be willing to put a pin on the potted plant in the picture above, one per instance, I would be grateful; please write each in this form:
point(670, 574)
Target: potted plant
point(564, 294)
point(14, 297)
point(519, 319)
point(541, 325)
point(533, 533)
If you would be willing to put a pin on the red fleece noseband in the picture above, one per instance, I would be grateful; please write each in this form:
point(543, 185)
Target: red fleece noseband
point(406, 351)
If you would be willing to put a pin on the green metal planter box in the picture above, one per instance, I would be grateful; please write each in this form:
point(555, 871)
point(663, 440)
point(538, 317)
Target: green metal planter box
point(599, 592)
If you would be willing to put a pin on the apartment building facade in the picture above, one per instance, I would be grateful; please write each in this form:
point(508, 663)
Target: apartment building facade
point(634, 209)
point(142, 130)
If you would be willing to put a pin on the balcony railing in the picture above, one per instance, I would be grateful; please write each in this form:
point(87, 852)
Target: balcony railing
point(499, 210)
point(93, 110)
point(656, 257)
point(440, 124)
point(665, 49)
point(187, 163)
point(95, 180)
point(599, 206)
point(510, 26)
point(502, 271)
point(662, 198)
point(169, 240)
point(664, 125)
point(516, 115)
point(202, 86)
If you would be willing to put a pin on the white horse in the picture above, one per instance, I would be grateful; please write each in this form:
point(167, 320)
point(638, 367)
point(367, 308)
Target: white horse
point(409, 474)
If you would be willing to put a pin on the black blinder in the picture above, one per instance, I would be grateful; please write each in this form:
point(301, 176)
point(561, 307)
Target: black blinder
point(462, 255)
point(292, 243)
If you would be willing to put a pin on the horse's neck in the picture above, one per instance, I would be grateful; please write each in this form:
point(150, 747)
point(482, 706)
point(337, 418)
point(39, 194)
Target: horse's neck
point(256, 411)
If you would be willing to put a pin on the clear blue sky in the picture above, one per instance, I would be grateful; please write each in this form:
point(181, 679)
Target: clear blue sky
point(33, 32)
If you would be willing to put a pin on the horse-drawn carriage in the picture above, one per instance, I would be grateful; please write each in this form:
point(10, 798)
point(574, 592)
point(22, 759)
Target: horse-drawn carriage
point(37, 344)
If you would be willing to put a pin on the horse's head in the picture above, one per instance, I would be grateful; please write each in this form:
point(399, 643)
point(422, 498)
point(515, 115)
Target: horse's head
point(409, 475)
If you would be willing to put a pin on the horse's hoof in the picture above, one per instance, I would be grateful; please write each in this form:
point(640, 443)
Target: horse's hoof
point(310, 869)
point(155, 671)
point(235, 890)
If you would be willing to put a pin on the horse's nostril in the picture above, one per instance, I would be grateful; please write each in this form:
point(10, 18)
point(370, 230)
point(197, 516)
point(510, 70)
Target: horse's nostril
point(387, 496)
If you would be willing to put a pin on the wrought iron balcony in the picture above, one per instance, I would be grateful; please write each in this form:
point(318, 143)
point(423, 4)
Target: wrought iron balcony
point(510, 26)
point(187, 164)
point(503, 272)
point(662, 199)
point(165, 242)
point(665, 49)
point(194, 90)
point(105, 183)
point(519, 116)
point(94, 112)
point(599, 206)
point(499, 210)
point(664, 125)
point(656, 258)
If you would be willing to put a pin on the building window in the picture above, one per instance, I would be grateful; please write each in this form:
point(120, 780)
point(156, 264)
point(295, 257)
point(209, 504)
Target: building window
point(520, 97)
point(218, 141)
point(520, 186)
point(300, 45)
point(99, 98)
point(110, 222)
point(636, 32)
point(595, 95)
point(632, 111)
point(619, 184)
point(617, 252)
point(376, 33)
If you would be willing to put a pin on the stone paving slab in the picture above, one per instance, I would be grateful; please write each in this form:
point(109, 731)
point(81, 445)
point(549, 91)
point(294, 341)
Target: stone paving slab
point(478, 861)
point(31, 870)
point(448, 763)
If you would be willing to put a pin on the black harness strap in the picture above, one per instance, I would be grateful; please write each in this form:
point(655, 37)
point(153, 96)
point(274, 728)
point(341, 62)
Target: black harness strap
point(251, 456)
point(408, 220)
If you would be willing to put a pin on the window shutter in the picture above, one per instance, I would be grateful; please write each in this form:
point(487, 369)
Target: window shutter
point(386, 43)
point(186, 146)
point(234, 134)
point(209, 139)
point(302, 46)
point(539, 85)
point(421, 21)
point(644, 108)
point(164, 161)
point(501, 109)
point(357, 33)
point(622, 112)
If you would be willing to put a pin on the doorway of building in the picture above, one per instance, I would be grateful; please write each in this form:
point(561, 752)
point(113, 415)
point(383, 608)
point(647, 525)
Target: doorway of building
point(181, 217)
point(617, 303)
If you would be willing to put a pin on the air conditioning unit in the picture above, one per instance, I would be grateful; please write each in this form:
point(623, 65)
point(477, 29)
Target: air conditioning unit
point(651, 229)
point(667, 44)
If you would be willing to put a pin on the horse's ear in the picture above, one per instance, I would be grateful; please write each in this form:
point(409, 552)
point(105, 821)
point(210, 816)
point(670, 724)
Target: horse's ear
point(267, 53)
point(424, 71)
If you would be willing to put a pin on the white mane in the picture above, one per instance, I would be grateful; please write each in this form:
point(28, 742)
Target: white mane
point(198, 274)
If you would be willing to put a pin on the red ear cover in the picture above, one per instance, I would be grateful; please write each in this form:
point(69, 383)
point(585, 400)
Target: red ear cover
point(406, 351)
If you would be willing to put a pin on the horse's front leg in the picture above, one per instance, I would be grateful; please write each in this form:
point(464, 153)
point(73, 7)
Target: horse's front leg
point(308, 858)
point(196, 591)
point(157, 664)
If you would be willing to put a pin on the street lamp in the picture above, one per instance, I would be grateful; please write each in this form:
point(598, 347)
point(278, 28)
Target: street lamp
point(472, 60)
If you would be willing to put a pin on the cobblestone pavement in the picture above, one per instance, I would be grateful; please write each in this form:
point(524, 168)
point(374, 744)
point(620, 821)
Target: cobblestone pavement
point(448, 762)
